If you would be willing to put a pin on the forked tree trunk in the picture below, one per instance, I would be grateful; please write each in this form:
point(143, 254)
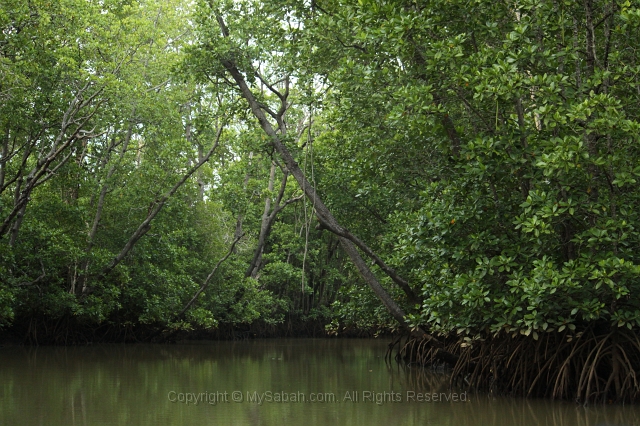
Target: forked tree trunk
point(268, 219)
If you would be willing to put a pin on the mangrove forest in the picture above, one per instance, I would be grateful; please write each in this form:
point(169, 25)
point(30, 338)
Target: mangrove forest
point(460, 176)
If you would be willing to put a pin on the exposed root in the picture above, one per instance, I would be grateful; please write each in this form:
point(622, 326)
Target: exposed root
point(590, 366)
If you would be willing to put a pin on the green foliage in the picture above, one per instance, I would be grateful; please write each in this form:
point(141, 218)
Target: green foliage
point(533, 228)
point(144, 128)
point(487, 151)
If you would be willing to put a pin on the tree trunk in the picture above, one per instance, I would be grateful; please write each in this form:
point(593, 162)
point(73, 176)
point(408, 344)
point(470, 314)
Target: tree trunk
point(100, 205)
point(268, 219)
point(240, 218)
point(3, 160)
point(265, 227)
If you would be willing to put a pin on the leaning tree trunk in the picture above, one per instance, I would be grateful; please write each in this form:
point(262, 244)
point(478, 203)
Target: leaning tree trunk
point(348, 240)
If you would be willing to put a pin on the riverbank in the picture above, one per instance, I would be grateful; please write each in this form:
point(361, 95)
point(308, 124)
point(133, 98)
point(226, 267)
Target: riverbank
point(67, 332)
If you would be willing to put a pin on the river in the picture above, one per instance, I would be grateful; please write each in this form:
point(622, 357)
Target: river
point(256, 382)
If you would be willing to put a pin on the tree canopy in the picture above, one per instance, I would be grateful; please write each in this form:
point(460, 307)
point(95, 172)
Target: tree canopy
point(455, 167)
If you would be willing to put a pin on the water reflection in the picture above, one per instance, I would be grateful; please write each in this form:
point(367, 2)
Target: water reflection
point(118, 385)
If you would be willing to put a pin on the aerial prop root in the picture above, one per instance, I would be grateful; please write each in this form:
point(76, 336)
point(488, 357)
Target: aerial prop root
point(595, 365)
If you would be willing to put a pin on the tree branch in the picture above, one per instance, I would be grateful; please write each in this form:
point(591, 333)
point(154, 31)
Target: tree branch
point(159, 204)
point(206, 281)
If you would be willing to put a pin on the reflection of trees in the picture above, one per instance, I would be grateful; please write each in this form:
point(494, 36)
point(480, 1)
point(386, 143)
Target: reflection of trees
point(418, 378)
point(128, 384)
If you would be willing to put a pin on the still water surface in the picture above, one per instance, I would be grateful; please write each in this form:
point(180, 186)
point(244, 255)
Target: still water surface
point(261, 382)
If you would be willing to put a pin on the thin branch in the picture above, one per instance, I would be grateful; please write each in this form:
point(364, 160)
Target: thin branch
point(206, 281)
point(270, 87)
point(352, 46)
point(37, 280)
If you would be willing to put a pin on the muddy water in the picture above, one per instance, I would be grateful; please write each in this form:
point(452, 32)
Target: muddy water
point(261, 382)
